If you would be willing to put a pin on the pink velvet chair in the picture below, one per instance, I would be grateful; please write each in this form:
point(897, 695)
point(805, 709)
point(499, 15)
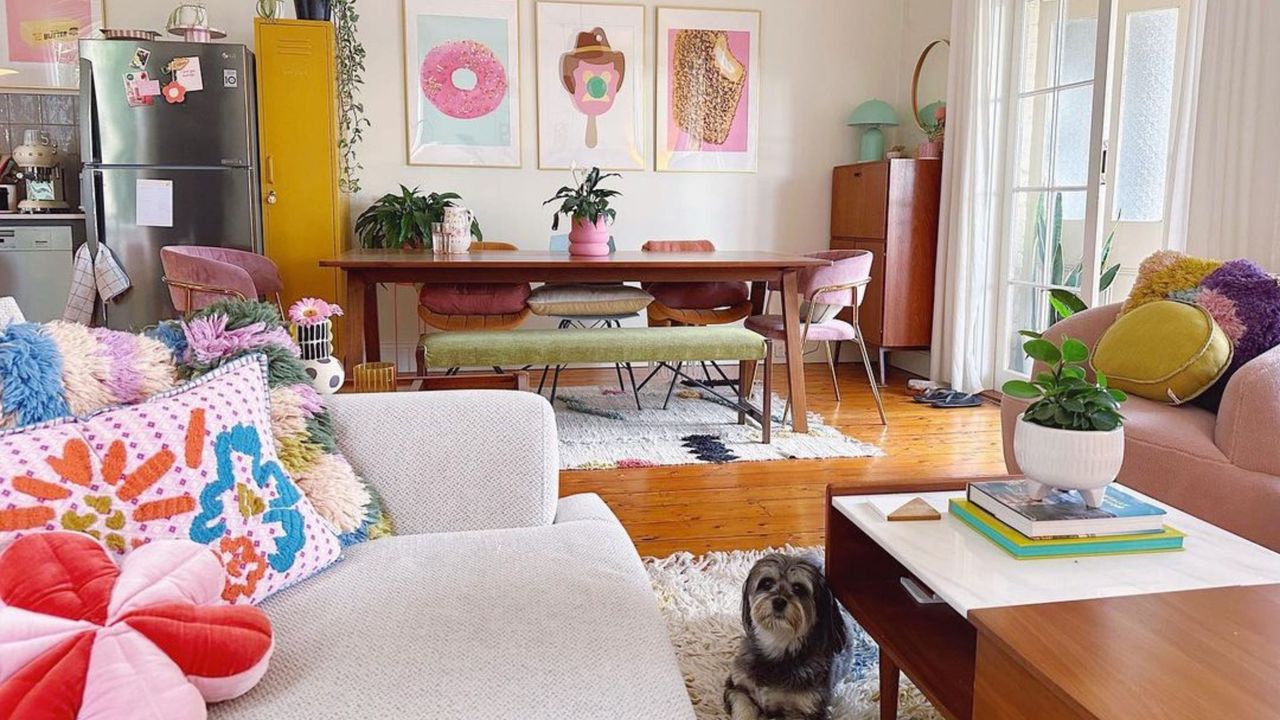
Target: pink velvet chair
point(826, 291)
point(1224, 468)
point(198, 276)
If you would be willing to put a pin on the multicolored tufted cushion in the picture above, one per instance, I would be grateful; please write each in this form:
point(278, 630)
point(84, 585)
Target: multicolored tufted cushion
point(198, 462)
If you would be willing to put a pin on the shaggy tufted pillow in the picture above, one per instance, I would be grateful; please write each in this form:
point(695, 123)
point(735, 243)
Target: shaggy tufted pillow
point(148, 640)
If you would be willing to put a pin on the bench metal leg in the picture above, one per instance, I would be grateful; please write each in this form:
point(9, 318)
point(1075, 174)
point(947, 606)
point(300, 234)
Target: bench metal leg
point(746, 377)
point(634, 390)
point(555, 384)
point(670, 388)
point(766, 403)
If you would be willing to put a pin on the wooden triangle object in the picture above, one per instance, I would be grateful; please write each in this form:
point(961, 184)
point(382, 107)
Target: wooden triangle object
point(916, 509)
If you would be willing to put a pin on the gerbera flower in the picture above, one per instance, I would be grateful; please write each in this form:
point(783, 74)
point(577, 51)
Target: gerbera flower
point(313, 311)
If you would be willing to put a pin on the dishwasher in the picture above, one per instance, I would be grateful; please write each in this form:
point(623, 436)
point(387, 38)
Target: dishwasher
point(35, 268)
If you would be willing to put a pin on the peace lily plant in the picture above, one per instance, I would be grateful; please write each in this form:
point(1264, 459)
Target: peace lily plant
point(1071, 436)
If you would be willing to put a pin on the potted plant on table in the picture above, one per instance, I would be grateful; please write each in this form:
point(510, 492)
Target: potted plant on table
point(1071, 437)
point(404, 221)
point(588, 206)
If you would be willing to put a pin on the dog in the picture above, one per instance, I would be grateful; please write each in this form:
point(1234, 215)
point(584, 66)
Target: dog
point(792, 631)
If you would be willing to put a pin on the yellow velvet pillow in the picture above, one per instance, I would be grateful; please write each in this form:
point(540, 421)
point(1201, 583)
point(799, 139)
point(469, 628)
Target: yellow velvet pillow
point(1165, 351)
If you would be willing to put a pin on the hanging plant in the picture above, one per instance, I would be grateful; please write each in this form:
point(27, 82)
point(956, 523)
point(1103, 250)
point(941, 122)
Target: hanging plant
point(351, 119)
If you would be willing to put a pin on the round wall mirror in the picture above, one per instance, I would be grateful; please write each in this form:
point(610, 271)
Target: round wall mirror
point(929, 84)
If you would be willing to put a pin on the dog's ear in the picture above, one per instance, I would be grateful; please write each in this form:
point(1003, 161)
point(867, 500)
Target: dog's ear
point(747, 623)
point(830, 620)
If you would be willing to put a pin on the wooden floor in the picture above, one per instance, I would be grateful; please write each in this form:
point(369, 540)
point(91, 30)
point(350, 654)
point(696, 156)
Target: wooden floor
point(760, 504)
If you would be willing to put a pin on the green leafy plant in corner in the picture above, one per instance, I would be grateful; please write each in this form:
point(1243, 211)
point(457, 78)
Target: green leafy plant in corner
point(404, 220)
point(1063, 396)
point(588, 201)
point(351, 119)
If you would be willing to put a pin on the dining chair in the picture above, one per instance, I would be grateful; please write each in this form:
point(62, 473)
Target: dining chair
point(582, 305)
point(488, 306)
point(696, 304)
point(198, 276)
point(825, 291)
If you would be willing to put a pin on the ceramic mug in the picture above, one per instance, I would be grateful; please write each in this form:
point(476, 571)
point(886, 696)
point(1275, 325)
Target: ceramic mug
point(457, 228)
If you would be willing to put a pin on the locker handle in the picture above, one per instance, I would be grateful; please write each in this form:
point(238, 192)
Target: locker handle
point(271, 169)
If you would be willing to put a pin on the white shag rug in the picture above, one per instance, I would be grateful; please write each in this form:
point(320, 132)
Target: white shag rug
point(701, 599)
point(600, 427)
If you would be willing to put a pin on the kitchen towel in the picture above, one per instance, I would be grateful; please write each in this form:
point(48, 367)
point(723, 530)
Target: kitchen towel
point(93, 277)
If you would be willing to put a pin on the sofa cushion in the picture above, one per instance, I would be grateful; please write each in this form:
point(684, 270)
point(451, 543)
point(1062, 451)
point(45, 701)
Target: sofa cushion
point(1164, 351)
point(547, 623)
point(1183, 429)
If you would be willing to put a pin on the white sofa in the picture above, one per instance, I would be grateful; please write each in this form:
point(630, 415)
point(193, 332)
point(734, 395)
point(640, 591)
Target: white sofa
point(495, 600)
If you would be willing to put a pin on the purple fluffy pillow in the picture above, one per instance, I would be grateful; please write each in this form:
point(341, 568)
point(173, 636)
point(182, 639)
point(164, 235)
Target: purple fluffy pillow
point(1245, 301)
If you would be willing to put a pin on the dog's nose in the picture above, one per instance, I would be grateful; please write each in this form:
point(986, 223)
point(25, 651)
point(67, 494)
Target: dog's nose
point(779, 604)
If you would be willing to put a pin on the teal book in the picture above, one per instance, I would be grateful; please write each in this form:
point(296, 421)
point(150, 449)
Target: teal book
point(1024, 548)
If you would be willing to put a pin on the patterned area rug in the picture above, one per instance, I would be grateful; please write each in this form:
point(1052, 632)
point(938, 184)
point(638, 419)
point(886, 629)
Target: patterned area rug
point(600, 427)
point(701, 599)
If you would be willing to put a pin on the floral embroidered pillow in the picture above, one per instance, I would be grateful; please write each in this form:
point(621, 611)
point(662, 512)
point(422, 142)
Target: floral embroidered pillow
point(198, 463)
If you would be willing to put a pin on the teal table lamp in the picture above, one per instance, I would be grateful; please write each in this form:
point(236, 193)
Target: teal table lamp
point(871, 115)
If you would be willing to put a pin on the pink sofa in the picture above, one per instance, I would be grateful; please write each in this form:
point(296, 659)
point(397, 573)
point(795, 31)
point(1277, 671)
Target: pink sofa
point(1224, 468)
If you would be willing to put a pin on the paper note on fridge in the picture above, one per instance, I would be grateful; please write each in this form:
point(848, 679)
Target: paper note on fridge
point(154, 203)
point(186, 72)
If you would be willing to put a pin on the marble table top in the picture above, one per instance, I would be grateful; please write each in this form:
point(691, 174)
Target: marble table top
point(970, 572)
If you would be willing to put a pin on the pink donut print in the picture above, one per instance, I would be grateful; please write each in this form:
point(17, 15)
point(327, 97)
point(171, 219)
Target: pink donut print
point(444, 60)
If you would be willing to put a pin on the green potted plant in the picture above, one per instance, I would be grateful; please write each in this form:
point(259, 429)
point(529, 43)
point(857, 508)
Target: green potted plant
point(404, 221)
point(1071, 437)
point(588, 206)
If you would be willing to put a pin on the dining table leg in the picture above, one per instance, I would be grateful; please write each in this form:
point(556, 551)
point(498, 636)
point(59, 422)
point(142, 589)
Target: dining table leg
point(362, 320)
point(795, 351)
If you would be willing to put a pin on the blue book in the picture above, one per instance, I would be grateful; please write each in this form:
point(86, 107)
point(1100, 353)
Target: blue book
point(1024, 548)
point(1063, 513)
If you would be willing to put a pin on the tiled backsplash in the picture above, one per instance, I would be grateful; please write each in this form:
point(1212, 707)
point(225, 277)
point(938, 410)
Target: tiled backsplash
point(58, 115)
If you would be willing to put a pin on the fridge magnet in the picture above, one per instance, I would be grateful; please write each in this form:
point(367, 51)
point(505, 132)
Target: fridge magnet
point(708, 93)
point(136, 87)
point(591, 86)
point(40, 41)
point(462, 82)
point(186, 72)
point(174, 93)
point(140, 57)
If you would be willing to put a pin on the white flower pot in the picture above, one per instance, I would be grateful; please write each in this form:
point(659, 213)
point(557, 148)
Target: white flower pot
point(327, 374)
point(1087, 461)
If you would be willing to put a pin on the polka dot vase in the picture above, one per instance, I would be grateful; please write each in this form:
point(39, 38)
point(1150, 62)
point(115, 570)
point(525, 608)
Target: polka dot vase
point(316, 342)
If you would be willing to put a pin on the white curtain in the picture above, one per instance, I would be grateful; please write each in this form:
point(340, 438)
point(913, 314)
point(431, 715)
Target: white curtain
point(1225, 167)
point(967, 287)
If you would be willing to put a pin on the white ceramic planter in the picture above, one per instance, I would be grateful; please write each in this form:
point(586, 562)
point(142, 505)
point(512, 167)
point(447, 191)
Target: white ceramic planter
point(1068, 459)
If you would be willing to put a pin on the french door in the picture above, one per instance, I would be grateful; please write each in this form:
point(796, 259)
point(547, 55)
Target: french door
point(1090, 109)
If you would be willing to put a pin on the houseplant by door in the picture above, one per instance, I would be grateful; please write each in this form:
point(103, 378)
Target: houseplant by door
point(588, 207)
point(1072, 436)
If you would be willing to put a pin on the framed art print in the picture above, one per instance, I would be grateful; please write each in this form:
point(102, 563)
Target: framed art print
point(462, 82)
point(40, 45)
point(591, 86)
point(708, 93)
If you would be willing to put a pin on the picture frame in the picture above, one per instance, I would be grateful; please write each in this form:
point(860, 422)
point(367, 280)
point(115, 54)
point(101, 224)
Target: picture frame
point(591, 85)
point(707, 94)
point(462, 82)
point(40, 43)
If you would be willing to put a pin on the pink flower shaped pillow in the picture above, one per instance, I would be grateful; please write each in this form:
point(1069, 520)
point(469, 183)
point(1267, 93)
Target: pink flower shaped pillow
point(151, 639)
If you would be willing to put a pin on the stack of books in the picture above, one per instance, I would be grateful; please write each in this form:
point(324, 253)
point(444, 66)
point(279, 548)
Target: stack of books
point(1061, 525)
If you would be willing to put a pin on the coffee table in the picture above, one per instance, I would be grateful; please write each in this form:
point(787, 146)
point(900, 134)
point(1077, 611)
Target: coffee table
point(988, 650)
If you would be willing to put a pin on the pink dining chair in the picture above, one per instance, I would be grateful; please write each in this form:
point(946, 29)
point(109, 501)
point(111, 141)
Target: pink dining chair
point(198, 276)
point(826, 290)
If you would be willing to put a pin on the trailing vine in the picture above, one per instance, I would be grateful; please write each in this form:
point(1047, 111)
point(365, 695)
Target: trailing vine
point(351, 119)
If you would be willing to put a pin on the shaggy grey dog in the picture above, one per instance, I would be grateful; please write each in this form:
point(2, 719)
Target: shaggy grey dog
point(792, 631)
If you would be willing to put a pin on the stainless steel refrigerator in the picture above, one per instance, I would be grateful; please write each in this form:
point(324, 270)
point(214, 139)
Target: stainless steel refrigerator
point(203, 151)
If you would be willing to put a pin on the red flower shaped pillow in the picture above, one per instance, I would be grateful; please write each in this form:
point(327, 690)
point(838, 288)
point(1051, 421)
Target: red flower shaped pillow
point(151, 639)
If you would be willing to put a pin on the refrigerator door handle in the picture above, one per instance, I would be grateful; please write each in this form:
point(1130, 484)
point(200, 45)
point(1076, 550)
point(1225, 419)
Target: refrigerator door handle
point(91, 192)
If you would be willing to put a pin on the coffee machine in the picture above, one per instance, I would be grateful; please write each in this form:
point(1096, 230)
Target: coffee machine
point(40, 173)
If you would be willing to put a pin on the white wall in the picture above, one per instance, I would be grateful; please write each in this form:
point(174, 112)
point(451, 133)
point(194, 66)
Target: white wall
point(820, 58)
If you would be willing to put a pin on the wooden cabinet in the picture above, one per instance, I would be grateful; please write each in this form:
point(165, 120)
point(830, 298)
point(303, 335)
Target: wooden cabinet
point(304, 216)
point(890, 208)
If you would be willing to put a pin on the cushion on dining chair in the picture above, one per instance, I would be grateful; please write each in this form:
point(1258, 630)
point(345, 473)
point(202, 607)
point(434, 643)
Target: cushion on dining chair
point(479, 299)
point(699, 296)
point(773, 326)
point(574, 300)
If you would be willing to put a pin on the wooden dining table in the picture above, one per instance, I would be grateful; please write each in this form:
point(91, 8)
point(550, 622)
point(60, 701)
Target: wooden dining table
point(364, 269)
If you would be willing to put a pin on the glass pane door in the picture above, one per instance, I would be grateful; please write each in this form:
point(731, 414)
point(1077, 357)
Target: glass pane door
point(1055, 183)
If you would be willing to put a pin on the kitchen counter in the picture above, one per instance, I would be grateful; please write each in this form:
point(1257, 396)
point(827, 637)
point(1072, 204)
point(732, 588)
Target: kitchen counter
point(37, 217)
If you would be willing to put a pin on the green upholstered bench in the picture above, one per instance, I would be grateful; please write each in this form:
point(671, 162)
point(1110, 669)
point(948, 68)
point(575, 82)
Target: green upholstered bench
point(668, 347)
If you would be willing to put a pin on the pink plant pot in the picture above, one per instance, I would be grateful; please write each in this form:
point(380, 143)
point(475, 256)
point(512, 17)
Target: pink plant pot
point(589, 239)
point(931, 150)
